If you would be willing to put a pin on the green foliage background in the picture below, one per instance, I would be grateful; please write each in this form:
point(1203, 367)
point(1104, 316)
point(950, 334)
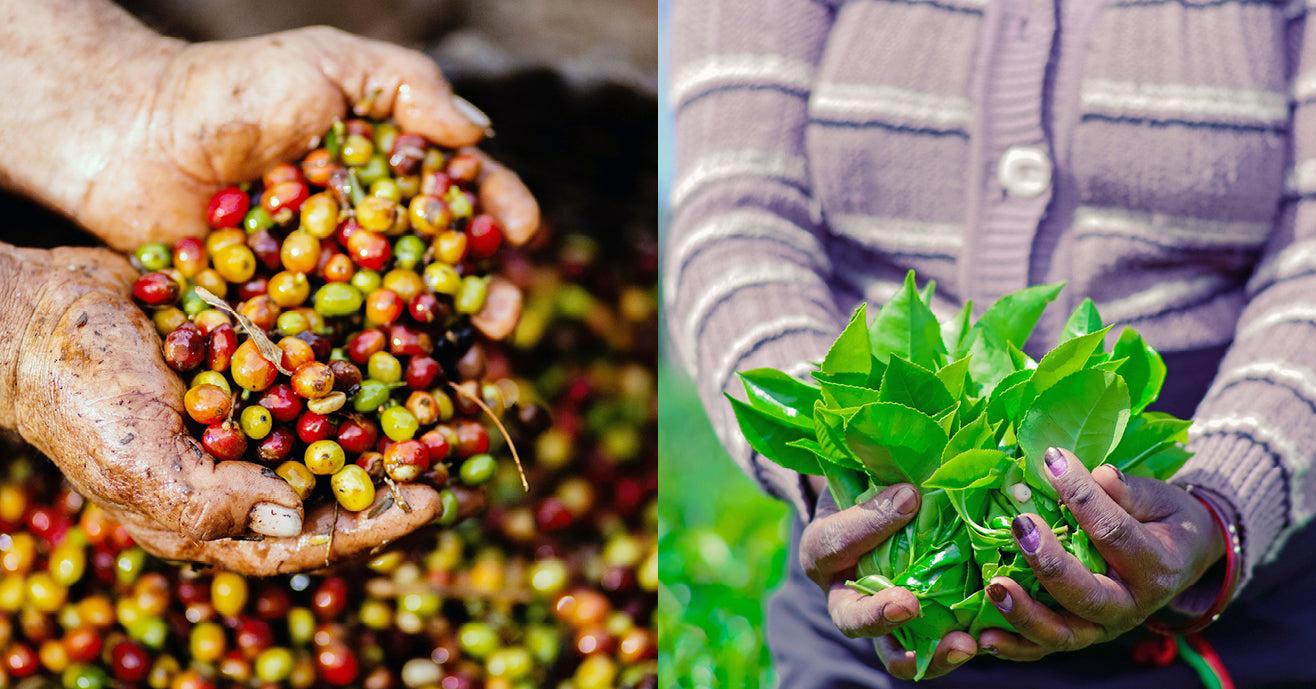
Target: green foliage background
point(721, 551)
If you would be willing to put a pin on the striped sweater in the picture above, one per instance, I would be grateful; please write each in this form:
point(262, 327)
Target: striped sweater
point(1159, 155)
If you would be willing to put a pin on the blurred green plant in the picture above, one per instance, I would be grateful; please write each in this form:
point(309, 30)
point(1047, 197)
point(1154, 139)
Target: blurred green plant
point(721, 544)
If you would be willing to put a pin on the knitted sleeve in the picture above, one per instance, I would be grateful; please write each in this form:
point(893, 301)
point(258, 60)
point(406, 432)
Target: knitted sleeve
point(746, 276)
point(1254, 434)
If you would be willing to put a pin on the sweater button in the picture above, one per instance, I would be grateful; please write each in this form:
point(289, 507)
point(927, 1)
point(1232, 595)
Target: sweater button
point(1024, 171)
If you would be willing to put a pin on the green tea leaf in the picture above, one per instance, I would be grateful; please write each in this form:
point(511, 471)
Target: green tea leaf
point(954, 332)
point(966, 468)
point(914, 386)
point(1164, 464)
point(1018, 359)
point(825, 457)
point(975, 435)
point(1082, 321)
point(907, 327)
point(845, 484)
point(780, 395)
point(1085, 413)
point(896, 443)
point(839, 396)
point(1010, 399)
point(1069, 356)
point(829, 426)
point(1144, 372)
point(954, 376)
point(1012, 317)
point(849, 353)
point(771, 437)
point(1146, 435)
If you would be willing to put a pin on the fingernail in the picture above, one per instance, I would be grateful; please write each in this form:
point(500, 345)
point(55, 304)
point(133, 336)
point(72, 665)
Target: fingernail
point(990, 650)
point(1026, 533)
point(1002, 600)
point(1055, 462)
point(955, 656)
point(274, 520)
point(895, 612)
point(905, 500)
point(1119, 473)
point(471, 112)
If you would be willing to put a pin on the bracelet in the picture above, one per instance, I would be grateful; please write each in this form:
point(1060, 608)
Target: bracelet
point(1233, 568)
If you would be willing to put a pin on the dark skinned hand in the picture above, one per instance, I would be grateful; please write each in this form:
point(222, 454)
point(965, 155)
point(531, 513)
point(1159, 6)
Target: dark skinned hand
point(1157, 541)
point(829, 550)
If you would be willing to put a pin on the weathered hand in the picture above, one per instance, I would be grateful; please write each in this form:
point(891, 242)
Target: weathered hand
point(82, 379)
point(216, 114)
point(831, 546)
point(1157, 541)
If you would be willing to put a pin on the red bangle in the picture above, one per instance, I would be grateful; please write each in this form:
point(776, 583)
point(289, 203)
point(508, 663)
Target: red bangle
point(1233, 560)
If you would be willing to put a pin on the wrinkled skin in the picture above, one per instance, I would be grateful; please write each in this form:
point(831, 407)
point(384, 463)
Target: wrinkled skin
point(832, 545)
point(87, 387)
point(1157, 541)
point(81, 374)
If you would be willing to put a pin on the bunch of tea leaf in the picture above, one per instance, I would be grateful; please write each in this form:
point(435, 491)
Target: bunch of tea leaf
point(959, 410)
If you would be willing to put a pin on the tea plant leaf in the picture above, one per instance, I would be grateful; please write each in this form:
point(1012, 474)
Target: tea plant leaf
point(849, 353)
point(914, 386)
point(1144, 372)
point(896, 443)
point(1085, 413)
point(907, 327)
point(771, 437)
point(966, 468)
point(778, 394)
point(1082, 321)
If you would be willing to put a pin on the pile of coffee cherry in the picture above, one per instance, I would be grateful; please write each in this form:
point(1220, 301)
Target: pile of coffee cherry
point(328, 325)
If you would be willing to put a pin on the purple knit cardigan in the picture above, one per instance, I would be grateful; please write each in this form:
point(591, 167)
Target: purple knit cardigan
point(1159, 155)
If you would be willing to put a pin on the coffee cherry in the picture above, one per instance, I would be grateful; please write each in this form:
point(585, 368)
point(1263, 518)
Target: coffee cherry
point(227, 207)
point(284, 195)
point(313, 427)
point(313, 380)
point(235, 263)
point(185, 348)
point(437, 445)
point(224, 441)
point(422, 372)
point(346, 375)
point(357, 434)
point(363, 345)
point(483, 236)
point(156, 289)
point(406, 460)
point(250, 370)
point(324, 457)
point(352, 488)
point(398, 424)
point(223, 342)
point(283, 403)
point(257, 422)
point(370, 250)
point(277, 446)
point(207, 404)
point(298, 477)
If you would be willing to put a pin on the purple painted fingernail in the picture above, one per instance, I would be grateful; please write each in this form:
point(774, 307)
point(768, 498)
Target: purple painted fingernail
point(1001, 598)
point(1026, 533)
point(1055, 462)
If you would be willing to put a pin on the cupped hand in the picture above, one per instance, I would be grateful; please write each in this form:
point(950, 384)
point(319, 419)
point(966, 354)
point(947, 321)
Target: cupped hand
point(1157, 541)
point(215, 114)
point(82, 379)
point(830, 548)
